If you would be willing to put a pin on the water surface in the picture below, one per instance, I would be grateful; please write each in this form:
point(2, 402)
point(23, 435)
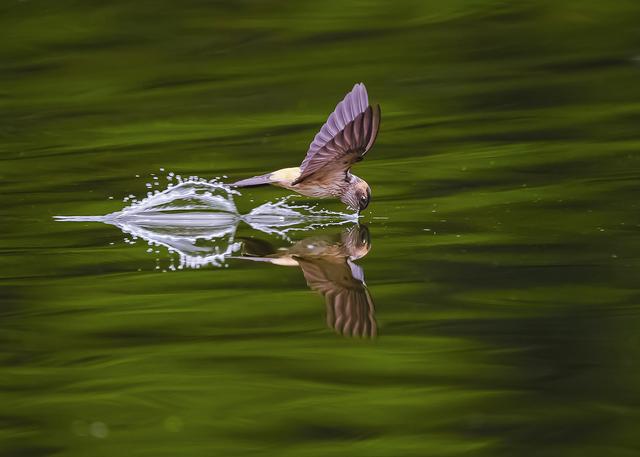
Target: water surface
point(502, 239)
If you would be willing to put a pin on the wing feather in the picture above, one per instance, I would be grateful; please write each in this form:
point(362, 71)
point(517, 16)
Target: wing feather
point(350, 131)
point(374, 126)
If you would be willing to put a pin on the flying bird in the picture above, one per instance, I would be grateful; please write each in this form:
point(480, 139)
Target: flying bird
point(343, 140)
point(327, 265)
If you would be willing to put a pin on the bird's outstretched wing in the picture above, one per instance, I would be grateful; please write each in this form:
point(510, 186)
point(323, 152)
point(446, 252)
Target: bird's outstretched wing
point(350, 309)
point(345, 138)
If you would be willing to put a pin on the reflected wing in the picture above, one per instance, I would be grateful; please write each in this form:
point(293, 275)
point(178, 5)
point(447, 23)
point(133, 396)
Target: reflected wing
point(350, 309)
point(345, 138)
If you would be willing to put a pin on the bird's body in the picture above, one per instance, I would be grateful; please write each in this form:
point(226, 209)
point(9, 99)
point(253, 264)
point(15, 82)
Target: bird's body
point(350, 131)
point(317, 187)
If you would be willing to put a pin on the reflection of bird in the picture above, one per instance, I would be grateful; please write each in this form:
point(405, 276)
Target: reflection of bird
point(343, 140)
point(327, 265)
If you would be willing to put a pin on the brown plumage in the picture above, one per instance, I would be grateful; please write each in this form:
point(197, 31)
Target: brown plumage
point(328, 267)
point(325, 172)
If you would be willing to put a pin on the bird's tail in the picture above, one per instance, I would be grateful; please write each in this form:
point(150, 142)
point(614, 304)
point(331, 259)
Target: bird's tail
point(255, 181)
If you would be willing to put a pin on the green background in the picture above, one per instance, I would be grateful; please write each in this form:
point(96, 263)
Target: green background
point(504, 228)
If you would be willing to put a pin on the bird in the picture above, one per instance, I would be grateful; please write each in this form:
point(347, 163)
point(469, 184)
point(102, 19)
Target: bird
point(344, 139)
point(327, 265)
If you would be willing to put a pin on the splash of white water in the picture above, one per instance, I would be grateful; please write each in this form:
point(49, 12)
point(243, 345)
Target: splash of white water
point(197, 219)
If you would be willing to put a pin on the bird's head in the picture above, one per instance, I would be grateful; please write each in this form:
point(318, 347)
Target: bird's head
point(358, 194)
point(356, 241)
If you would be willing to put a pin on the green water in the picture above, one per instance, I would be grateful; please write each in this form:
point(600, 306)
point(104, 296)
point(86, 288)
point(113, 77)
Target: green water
point(503, 227)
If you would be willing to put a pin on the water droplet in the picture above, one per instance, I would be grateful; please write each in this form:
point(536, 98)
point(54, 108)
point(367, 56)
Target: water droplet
point(99, 430)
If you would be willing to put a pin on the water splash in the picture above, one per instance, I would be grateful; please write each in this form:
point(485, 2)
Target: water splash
point(197, 220)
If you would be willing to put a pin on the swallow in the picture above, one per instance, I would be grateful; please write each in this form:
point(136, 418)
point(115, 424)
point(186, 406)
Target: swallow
point(327, 265)
point(325, 172)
